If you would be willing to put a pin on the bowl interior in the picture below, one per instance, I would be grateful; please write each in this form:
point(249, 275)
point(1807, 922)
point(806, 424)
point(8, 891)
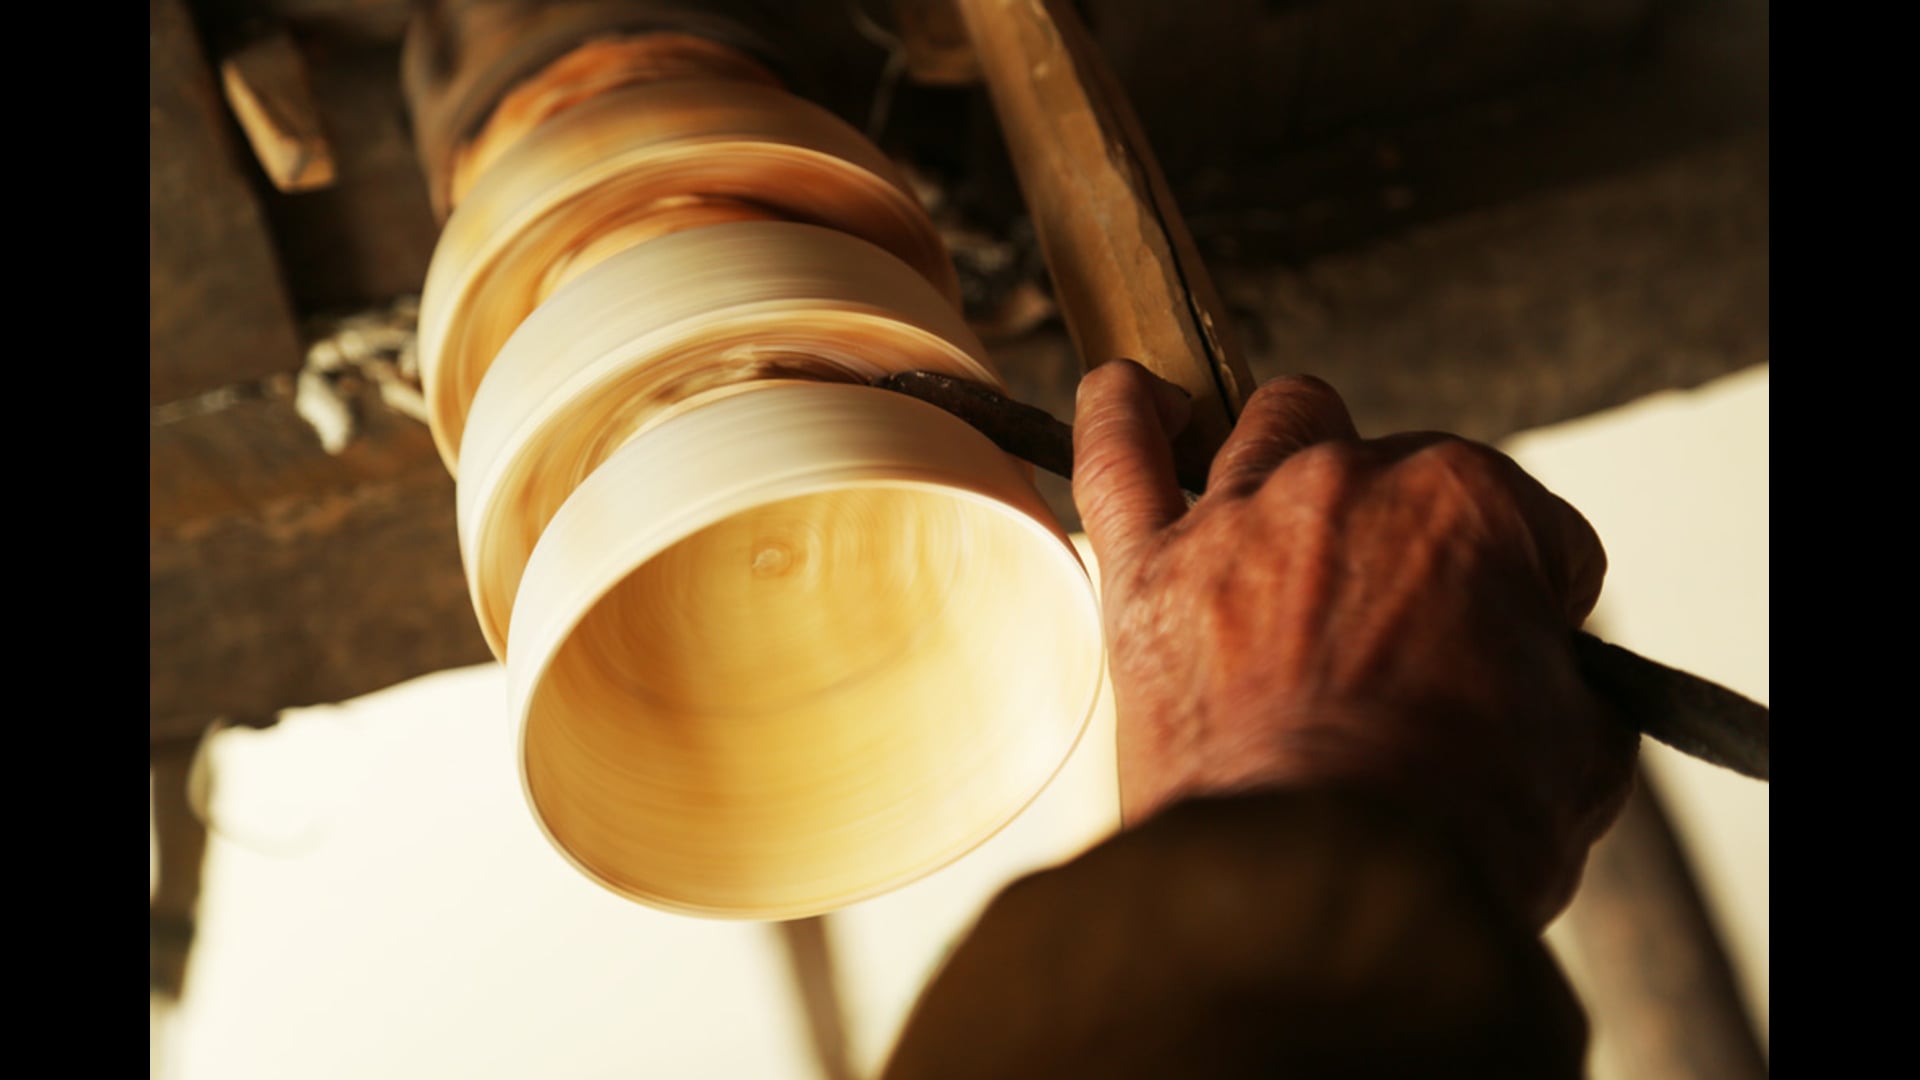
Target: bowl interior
point(814, 699)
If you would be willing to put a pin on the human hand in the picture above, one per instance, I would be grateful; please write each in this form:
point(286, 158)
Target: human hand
point(1389, 614)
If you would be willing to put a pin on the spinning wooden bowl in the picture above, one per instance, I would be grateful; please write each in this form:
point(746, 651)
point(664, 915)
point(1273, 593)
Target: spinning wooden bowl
point(776, 641)
point(793, 647)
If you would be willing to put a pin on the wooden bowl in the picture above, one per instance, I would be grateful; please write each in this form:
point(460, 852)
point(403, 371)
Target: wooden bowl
point(793, 648)
point(642, 161)
point(656, 324)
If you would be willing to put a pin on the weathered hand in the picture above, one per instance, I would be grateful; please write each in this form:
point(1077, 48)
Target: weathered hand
point(1390, 614)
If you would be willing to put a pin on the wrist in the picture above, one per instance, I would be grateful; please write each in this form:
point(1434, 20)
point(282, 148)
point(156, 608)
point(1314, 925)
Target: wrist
point(1446, 766)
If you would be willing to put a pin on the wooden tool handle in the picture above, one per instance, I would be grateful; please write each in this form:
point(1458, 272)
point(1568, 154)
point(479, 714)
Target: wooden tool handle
point(1125, 271)
point(1699, 718)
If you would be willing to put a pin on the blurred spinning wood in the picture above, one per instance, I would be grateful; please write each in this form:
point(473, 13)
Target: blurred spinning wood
point(776, 640)
point(657, 324)
point(634, 163)
point(586, 73)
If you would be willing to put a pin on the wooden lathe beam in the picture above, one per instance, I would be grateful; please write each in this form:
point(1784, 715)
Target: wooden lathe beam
point(281, 576)
point(1127, 276)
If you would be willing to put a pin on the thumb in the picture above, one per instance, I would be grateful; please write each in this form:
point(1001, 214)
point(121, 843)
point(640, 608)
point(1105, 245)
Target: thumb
point(1123, 474)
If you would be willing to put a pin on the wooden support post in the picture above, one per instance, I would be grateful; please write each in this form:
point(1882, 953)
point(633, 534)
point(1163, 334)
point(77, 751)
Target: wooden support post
point(1656, 983)
point(809, 953)
point(182, 841)
point(1125, 271)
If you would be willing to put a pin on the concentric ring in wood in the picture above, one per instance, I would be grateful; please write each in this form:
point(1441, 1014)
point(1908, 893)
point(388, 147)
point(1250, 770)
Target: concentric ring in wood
point(795, 648)
point(656, 324)
point(608, 163)
point(592, 69)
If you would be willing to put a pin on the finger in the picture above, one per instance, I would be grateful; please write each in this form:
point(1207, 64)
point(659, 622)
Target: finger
point(1282, 418)
point(1562, 542)
point(1567, 548)
point(1575, 559)
point(1123, 476)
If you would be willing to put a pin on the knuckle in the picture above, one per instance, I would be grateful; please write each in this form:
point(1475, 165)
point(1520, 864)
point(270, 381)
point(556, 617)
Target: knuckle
point(1300, 395)
point(1300, 385)
point(1333, 458)
point(1269, 393)
point(1476, 464)
point(1321, 467)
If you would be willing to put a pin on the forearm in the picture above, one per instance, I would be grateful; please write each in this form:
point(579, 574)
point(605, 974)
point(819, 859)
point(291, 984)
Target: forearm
point(1297, 933)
